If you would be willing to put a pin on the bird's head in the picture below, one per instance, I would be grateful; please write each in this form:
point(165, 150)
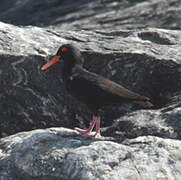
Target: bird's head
point(69, 54)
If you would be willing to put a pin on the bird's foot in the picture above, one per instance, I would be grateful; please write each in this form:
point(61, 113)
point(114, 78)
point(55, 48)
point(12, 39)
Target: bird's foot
point(83, 131)
point(87, 133)
point(89, 130)
point(96, 135)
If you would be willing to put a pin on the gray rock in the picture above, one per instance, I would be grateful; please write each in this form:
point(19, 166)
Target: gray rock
point(162, 123)
point(140, 144)
point(146, 61)
point(93, 14)
point(59, 153)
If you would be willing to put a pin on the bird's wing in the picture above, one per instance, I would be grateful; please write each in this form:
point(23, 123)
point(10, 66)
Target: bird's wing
point(106, 85)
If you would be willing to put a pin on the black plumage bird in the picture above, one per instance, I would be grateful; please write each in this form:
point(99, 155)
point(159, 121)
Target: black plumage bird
point(92, 89)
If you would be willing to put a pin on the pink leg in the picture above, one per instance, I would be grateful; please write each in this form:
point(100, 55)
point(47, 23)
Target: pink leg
point(97, 134)
point(89, 130)
point(96, 120)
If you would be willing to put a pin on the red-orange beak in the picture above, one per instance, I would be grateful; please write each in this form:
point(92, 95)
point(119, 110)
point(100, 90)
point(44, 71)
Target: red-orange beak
point(50, 63)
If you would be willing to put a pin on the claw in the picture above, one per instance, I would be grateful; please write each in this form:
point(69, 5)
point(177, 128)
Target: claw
point(87, 133)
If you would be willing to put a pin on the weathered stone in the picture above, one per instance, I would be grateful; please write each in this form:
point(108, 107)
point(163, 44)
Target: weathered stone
point(60, 153)
point(144, 60)
point(33, 99)
point(165, 122)
point(93, 14)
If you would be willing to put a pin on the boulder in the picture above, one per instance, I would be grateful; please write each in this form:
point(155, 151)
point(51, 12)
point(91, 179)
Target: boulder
point(61, 154)
point(146, 61)
point(117, 44)
point(93, 14)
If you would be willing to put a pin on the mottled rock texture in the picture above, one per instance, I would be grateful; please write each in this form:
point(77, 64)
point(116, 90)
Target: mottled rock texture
point(146, 61)
point(93, 14)
point(61, 154)
point(120, 40)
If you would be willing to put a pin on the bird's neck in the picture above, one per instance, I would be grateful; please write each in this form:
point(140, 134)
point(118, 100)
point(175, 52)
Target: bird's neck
point(68, 71)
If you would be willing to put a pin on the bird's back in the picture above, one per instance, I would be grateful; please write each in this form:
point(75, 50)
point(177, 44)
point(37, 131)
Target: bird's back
point(95, 90)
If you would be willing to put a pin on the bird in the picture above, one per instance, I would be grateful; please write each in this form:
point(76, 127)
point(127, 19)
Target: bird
point(90, 88)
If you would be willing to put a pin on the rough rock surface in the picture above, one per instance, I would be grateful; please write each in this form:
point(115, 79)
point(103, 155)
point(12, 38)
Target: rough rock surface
point(146, 61)
point(137, 144)
point(93, 14)
point(61, 154)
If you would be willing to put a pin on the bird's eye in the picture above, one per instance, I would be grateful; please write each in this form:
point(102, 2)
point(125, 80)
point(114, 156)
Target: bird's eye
point(64, 49)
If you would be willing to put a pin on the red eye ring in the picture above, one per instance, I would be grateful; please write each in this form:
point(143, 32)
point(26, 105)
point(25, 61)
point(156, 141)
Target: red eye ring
point(64, 49)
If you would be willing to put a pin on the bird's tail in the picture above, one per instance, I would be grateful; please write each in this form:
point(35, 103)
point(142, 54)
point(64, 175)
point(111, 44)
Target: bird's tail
point(144, 104)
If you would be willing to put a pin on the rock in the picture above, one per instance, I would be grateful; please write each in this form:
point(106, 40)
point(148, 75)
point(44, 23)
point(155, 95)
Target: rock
point(137, 144)
point(59, 153)
point(162, 123)
point(87, 14)
point(146, 61)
